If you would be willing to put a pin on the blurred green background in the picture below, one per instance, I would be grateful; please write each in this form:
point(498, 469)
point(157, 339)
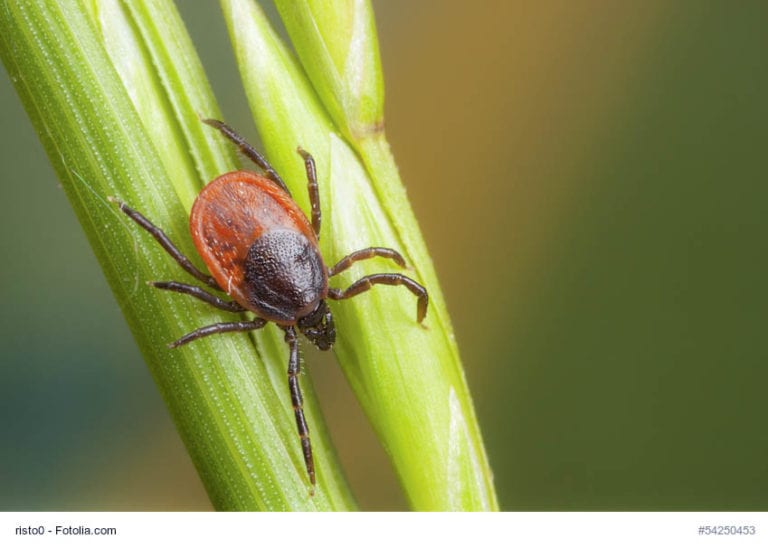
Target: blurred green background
point(591, 178)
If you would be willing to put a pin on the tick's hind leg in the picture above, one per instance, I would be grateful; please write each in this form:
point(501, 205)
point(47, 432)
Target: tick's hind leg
point(367, 282)
point(248, 150)
point(166, 243)
point(298, 403)
point(314, 192)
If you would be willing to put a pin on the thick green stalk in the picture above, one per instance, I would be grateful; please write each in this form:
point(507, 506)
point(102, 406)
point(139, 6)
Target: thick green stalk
point(114, 91)
point(407, 377)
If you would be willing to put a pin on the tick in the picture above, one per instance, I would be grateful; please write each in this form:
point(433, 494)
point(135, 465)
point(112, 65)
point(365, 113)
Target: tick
point(262, 251)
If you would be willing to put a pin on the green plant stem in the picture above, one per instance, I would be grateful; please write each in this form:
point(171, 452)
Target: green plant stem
point(408, 378)
point(112, 131)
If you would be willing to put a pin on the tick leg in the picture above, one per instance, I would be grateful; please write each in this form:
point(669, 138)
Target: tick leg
point(199, 293)
point(367, 282)
point(314, 193)
point(366, 253)
point(298, 403)
point(248, 150)
point(167, 244)
point(228, 327)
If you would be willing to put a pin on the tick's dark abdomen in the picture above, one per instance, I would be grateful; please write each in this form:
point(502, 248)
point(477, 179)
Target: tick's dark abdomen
point(284, 275)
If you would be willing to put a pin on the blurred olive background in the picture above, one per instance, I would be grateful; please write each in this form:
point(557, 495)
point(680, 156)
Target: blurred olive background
point(591, 178)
